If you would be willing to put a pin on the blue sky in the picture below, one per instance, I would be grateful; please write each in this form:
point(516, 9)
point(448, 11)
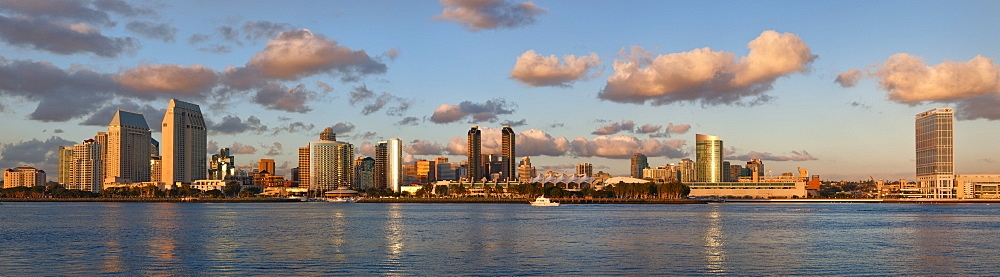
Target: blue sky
point(383, 69)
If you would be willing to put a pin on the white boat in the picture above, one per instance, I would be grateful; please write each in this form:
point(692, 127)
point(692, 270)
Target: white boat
point(339, 200)
point(541, 201)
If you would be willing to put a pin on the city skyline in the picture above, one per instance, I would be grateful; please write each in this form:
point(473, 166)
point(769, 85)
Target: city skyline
point(840, 101)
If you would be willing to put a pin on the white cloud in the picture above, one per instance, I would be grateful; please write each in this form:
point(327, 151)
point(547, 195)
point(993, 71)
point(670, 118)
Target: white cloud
point(535, 70)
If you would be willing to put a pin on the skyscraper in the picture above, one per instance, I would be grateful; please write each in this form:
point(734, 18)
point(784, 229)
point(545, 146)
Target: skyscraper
point(475, 145)
point(127, 150)
point(184, 143)
point(364, 173)
point(708, 158)
point(584, 169)
point(389, 164)
point(85, 169)
point(65, 159)
point(303, 171)
point(331, 164)
point(935, 153)
point(638, 164)
point(508, 154)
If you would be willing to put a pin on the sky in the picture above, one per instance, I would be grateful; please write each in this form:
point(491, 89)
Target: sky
point(830, 86)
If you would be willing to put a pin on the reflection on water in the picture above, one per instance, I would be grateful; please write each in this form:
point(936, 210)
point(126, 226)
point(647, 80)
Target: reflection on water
point(497, 239)
point(714, 253)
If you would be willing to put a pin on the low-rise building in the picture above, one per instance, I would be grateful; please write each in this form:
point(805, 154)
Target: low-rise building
point(977, 186)
point(748, 189)
point(23, 176)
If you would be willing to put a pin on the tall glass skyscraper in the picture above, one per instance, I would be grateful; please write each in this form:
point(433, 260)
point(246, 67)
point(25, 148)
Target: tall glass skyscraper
point(475, 140)
point(509, 144)
point(708, 158)
point(935, 153)
point(389, 164)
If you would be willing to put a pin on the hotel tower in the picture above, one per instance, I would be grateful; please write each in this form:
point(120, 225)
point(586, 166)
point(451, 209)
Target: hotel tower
point(184, 143)
point(935, 153)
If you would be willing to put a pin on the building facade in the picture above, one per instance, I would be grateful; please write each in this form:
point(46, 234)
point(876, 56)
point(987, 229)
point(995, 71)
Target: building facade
point(474, 153)
point(508, 147)
point(331, 165)
point(222, 166)
point(128, 148)
point(389, 164)
point(65, 158)
point(935, 153)
point(980, 186)
point(23, 176)
point(183, 147)
point(639, 162)
point(585, 169)
point(85, 169)
point(708, 158)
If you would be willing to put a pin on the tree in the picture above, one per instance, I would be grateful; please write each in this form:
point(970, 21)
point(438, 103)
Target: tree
point(232, 189)
point(458, 189)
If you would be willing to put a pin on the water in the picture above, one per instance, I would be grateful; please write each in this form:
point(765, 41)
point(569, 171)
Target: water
point(498, 239)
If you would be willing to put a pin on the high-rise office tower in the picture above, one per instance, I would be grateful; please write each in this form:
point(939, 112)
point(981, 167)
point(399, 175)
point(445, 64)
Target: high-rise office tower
point(127, 150)
point(266, 165)
point(184, 143)
point(389, 164)
point(708, 158)
point(85, 169)
point(508, 152)
point(639, 163)
point(65, 158)
point(475, 146)
point(935, 153)
point(584, 169)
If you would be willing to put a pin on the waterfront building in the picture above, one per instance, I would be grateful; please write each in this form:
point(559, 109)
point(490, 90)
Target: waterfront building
point(426, 171)
point(566, 181)
point(795, 189)
point(525, 171)
point(330, 165)
point(222, 166)
point(686, 170)
point(585, 169)
point(977, 186)
point(184, 143)
point(302, 174)
point(156, 169)
point(509, 171)
point(447, 171)
point(639, 163)
point(935, 153)
point(364, 173)
point(474, 170)
point(708, 158)
point(661, 174)
point(85, 169)
point(65, 158)
point(389, 164)
point(127, 150)
point(23, 176)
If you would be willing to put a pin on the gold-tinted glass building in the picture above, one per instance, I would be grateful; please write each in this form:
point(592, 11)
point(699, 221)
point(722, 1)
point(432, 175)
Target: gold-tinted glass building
point(935, 153)
point(708, 158)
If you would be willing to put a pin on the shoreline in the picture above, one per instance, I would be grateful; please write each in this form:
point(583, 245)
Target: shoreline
point(475, 200)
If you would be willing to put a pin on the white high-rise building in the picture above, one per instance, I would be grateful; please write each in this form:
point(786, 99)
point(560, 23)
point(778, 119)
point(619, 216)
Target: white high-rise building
point(127, 150)
point(935, 153)
point(389, 164)
point(183, 146)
